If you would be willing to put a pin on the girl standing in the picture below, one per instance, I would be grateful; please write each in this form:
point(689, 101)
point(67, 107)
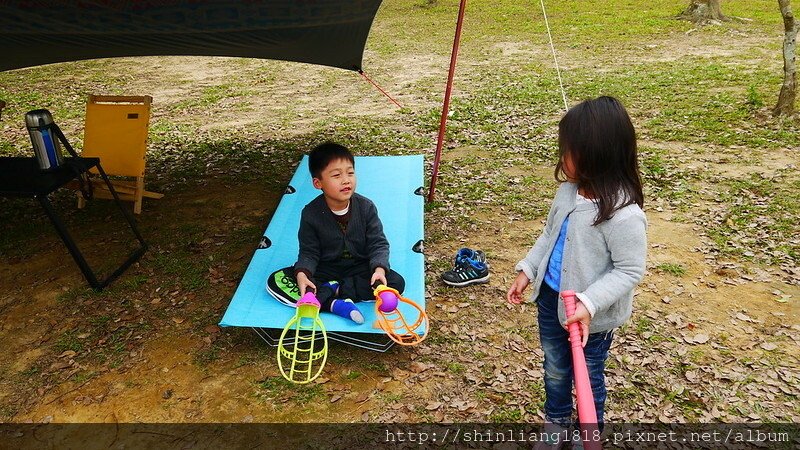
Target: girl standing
point(594, 243)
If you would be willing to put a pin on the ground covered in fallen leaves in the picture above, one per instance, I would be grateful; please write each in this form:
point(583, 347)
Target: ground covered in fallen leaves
point(715, 332)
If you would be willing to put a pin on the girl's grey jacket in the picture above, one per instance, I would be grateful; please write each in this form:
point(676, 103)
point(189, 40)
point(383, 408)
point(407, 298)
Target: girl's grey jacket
point(601, 263)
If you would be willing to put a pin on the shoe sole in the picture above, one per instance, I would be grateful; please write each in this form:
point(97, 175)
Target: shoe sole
point(280, 298)
point(468, 282)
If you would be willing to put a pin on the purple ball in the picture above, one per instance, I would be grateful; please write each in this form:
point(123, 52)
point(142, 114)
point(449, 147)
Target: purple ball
point(388, 301)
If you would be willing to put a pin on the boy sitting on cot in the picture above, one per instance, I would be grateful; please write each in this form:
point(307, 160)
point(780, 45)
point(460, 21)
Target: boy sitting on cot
point(343, 251)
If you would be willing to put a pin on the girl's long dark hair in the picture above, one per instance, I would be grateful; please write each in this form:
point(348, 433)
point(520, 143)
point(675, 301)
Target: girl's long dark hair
point(600, 138)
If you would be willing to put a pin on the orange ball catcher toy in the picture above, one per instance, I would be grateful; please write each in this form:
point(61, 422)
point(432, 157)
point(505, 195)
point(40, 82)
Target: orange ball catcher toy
point(391, 320)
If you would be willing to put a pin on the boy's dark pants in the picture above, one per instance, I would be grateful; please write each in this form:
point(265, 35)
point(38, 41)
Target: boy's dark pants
point(353, 277)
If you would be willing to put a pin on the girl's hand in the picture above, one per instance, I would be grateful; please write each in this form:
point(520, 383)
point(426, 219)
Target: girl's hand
point(379, 275)
point(304, 283)
point(583, 318)
point(514, 295)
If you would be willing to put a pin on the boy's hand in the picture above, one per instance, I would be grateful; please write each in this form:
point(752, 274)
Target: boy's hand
point(583, 318)
point(379, 275)
point(514, 295)
point(304, 283)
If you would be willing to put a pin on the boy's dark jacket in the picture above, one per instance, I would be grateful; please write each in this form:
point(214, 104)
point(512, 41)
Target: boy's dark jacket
point(321, 238)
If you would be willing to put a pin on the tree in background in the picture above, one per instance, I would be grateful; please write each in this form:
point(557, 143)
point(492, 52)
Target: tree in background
point(703, 11)
point(787, 96)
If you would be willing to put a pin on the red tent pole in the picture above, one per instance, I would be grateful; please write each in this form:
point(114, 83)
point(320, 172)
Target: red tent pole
point(446, 105)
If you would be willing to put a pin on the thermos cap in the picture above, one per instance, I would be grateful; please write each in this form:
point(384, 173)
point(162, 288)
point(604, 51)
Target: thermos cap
point(38, 118)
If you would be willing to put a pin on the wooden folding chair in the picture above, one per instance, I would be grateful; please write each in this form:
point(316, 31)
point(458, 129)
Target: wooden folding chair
point(115, 130)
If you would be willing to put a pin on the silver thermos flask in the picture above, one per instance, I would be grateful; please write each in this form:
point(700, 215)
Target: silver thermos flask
point(46, 146)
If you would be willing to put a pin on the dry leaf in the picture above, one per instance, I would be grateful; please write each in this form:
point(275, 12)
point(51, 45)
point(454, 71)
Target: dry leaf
point(61, 365)
point(744, 317)
point(363, 397)
point(418, 367)
point(178, 320)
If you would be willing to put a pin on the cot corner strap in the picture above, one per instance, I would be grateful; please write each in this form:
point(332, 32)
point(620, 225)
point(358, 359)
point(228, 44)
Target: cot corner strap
point(290, 190)
point(264, 243)
point(420, 191)
point(419, 247)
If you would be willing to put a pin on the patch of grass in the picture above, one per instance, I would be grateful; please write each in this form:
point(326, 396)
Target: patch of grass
point(439, 338)
point(75, 294)
point(455, 367)
point(670, 107)
point(662, 176)
point(212, 95)
point(190, 271)
point(275, 385)
point(113, 350)
point(68, 341)
point(30, 372)
point(690, 405)
point(754, 100)
point(643, 325)
point(697, 356)
point(674, 269)
point(207, 355)
point(99, 321)
point(133, 282)
point(623, 394)
point(7, 411)
point(163, 131)
point(391, 397)
point(83, 375)
point(280, 387)
point(762, 218)
point(506, 414)
point(250, 234)
point(535, 386)
point(377, 366)
point(352, 375)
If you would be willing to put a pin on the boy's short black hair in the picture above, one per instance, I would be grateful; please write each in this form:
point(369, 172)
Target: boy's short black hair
point(324, 153)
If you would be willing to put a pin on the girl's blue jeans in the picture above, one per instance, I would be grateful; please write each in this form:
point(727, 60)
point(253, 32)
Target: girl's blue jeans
point(558, 362)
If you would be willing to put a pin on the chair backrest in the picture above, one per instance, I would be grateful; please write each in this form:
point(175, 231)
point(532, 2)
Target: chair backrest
point(115, 130)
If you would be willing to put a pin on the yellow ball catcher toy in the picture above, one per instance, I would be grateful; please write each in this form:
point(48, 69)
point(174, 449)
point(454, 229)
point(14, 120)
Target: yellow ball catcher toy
point(298, 353)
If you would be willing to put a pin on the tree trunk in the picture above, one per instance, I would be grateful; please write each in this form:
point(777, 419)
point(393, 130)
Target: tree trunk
point(787, 96)
point(703, 11)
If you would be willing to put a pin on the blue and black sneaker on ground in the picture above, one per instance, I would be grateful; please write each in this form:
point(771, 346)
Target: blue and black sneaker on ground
point(467, 270)
point(468, 253)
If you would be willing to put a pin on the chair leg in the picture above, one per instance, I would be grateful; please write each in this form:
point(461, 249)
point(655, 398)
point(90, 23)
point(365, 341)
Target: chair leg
point(137, 201)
